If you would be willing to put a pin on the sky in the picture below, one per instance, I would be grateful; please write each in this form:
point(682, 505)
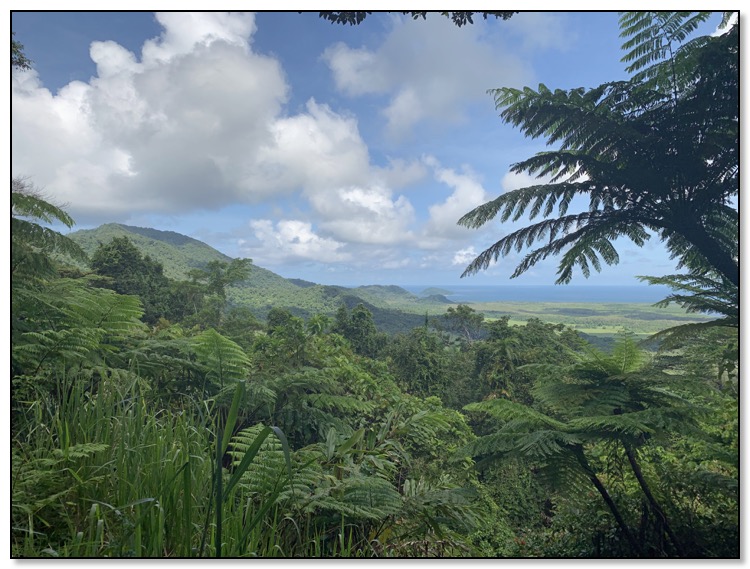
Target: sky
point(336, 154)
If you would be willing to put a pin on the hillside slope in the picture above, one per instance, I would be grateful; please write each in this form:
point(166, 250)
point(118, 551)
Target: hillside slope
point(394, 309)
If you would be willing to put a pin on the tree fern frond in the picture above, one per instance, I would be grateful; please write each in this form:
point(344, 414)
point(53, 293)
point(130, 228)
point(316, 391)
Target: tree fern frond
point(677, 335)
point(267, 469)
point(341, 403)
point(652, 35)
point(496, 444)
point(356, 497)
point(614, 425)
point(26, 201)
point(541, 444)
point(507, 410)
point(226, 361)
point(647, 147)
point(563, 471)
point(80, 323)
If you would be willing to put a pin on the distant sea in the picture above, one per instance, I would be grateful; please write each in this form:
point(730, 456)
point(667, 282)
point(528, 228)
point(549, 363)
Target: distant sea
point(548, 293)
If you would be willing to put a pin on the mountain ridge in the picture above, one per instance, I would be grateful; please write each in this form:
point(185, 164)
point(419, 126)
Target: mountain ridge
point(264, 289)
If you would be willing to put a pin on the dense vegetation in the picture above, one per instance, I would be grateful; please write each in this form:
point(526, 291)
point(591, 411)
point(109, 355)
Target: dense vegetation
point(207, 432)
point(393, 308)
point(152, 415)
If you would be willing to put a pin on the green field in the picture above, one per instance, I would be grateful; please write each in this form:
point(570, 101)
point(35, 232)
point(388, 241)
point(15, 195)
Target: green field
point(598, 319)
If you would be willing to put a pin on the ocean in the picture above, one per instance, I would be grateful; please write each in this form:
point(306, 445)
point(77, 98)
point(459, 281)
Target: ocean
point(549, 293)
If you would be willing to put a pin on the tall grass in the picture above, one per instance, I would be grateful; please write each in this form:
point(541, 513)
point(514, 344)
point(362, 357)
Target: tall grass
point(97, 471)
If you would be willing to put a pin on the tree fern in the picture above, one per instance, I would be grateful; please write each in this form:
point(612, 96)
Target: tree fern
point(696, 293)
point(33, 246)
point(651, 161)
point(75, 324)
point(265, 474)
point(225, 361)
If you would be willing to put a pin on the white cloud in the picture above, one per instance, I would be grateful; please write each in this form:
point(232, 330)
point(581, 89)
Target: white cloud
point(196, 121)
point(364, 214)
point(397, 264)
point(430, 69)
point(357, 71)
point(183, 31)
point(293, 240)
point(540, 30)
point(313, 150)
point(464, 256)
point(400, 173)
point(442, 224)
point(719, 31)
point(515, 181)
point(170, 133)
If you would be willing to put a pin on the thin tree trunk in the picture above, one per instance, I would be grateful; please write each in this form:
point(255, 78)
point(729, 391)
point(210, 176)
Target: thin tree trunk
point(608, 499)
point(654, 504)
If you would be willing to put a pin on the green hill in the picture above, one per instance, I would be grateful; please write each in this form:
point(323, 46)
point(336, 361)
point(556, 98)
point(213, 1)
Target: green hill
point(178, 253)
point(264, 289)
point(433, 291)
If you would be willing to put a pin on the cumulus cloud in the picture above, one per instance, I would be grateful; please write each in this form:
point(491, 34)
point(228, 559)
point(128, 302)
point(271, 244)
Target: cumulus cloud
point(170, 132)
point(430, 69)
point(442, 224)
point(313, 150)
point(183, 31)
point(364, 214)
point(293, 240)
point(197, 121)
point(400, 173)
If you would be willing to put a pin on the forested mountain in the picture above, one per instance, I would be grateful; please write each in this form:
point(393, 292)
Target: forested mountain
point(264, 290)
point(176, 252)
point(394, 309)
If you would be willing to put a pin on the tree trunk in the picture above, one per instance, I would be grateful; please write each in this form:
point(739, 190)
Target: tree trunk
point(608, 499)
point(654, 504)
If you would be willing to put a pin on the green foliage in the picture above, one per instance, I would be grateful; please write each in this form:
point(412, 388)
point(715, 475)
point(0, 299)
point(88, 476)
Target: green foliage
point(698, 293)
point(359, 328)
point(649, 160)
point(177, 253)
point(129, 272)
point(393, 308)
point(419, 361)
point(458, 18)
point(599, 404)
point(464, 322)
point(225, 361)
point(135, 441)
point(33, 246)
point(219, 275)
point(70, 325)
point(18, 59)
point(653, 44)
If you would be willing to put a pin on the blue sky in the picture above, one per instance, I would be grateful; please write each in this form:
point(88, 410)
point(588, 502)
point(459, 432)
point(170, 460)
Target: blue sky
point(337, 154)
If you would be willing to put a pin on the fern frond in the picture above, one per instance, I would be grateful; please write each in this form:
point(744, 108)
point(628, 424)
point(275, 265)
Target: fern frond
point(226, 361)
point(267, 469)
point(341, 403)
point(655, 36)
point(507, 410)
point(645, 148)
point(357, 498)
